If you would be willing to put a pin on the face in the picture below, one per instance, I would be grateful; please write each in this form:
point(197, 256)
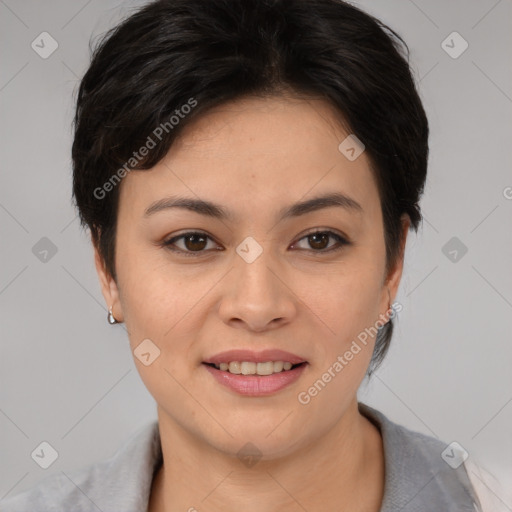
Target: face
point(257, 278)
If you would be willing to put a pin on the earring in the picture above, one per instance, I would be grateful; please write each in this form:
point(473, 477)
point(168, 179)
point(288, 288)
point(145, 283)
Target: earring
point(389, 312)
point(110, 317)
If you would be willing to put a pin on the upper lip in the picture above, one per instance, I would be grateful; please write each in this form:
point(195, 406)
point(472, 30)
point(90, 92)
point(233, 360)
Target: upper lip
point(262, 356)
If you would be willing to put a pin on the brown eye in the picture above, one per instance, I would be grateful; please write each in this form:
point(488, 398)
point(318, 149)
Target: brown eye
point(195, 242)
point(190, 243)
point(319, 241)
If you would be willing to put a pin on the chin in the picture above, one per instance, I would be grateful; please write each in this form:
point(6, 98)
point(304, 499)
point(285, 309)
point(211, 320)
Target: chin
point(260, 440)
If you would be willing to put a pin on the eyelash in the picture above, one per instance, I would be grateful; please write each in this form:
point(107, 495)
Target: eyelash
point(340, 239)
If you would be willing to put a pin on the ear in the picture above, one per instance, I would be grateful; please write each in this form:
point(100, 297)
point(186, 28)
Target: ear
point(392, 280)
point(108, 286)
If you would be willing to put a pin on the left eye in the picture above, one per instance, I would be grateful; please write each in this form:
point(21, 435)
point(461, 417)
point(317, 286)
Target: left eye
point(319, 239)
point(197, 242)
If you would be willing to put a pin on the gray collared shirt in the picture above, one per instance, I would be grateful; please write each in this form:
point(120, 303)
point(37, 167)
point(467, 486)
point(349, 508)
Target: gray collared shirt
point(417, 477)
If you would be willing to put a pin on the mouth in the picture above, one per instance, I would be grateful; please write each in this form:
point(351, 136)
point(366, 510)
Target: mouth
point(251, 373)
point(255, 374)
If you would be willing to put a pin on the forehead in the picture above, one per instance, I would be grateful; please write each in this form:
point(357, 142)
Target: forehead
point(264, 127)
point(255, 150)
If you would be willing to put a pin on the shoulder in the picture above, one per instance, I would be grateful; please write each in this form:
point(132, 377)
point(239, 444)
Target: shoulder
point(425, 473)
point(121, 482)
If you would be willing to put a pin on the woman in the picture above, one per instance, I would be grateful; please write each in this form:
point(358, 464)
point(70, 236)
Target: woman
point(249, 171)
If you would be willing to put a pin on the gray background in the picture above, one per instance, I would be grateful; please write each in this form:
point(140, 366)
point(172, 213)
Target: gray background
point(68, 378)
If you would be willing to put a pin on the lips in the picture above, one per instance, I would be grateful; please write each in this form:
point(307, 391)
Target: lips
point(256, 385)
point(255, 357)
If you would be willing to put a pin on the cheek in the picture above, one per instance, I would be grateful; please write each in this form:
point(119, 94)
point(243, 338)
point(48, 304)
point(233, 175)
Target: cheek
point(154, 297)
point(345, 302)
point(350, 308)
point(167, 304)
point(158, 305)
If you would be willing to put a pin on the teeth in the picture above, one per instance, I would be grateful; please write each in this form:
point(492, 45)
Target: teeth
point(250, 368)
point(265, 368)
point(234, 367)
point(278, 366)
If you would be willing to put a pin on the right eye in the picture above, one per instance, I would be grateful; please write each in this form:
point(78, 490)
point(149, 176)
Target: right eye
point(193, 242)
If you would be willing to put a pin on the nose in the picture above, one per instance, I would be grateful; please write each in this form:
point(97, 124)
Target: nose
point(258, 295)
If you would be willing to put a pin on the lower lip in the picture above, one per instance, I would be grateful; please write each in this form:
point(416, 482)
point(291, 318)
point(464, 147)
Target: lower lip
point(257, 385)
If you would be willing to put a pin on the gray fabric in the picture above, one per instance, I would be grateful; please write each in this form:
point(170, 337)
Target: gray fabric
point(417, 478)
point(120, 483)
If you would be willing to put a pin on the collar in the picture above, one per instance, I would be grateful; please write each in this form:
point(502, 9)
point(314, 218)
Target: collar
point(416, 476)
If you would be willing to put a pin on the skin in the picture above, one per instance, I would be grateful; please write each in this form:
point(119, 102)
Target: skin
point(255, 156)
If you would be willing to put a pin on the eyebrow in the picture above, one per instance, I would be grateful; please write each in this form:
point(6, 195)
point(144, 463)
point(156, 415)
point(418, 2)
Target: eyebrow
point(216, 211)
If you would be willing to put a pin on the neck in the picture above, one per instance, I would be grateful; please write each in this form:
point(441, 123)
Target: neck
point(342, 470)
